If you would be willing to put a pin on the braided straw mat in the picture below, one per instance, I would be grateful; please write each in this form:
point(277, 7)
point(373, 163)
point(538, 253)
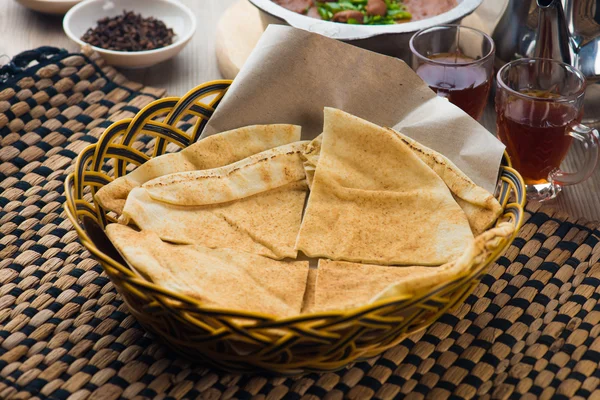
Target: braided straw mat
point(531, 328)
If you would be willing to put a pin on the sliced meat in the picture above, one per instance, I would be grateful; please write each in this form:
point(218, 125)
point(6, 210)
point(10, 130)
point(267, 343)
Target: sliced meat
point(344, 16)
point(421, 9)
point(313, 13)
point(299, 6)
point(376, 7)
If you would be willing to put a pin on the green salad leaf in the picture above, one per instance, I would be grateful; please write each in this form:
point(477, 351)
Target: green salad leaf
point(396, 10)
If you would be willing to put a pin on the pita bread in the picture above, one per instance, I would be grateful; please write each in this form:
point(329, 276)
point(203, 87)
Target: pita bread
point(311, 157)
point(374, 201)
point(220, 278)
point(342, 285)
point(265, 224)
point(214, 151)
point(480, 206)
point(308, 302)
point(255, 174)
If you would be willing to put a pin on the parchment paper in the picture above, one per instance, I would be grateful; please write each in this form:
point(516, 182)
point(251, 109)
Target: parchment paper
point(292, 74)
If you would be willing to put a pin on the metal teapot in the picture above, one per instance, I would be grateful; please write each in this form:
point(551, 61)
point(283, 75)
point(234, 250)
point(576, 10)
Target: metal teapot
point(567, 30)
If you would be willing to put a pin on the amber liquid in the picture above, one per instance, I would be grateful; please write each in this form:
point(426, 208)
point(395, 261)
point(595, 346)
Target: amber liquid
point(466, 86)
point(536, 133)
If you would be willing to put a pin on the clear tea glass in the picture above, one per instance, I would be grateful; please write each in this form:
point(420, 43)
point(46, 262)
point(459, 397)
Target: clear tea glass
point(539, 106)
point(457, 62)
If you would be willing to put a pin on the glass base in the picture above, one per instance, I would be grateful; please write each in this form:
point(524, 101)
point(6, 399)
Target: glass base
point(543, 191)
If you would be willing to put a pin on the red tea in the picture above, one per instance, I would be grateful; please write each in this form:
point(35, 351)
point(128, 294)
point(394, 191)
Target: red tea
point(466, 86)
point(536, 133)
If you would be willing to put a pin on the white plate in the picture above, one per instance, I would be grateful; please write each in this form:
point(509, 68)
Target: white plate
point(174, 14)
point(58, 7)
point(339, 31)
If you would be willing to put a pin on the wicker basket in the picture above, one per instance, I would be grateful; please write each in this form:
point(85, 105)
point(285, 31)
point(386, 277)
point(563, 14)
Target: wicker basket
point(244, 341)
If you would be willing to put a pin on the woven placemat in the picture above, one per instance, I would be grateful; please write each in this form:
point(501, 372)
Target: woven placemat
point(529, 330)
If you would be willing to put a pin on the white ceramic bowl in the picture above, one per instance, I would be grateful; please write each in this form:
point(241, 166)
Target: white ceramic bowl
point(174, 14)
point(57, 7)
point(391, 40)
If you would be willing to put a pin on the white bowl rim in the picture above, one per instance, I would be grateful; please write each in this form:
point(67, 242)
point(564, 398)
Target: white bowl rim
point(341, 31)
point(183, 40)
point(53, 1)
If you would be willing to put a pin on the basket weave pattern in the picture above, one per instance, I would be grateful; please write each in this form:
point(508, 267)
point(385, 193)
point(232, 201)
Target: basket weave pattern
point(243, 341)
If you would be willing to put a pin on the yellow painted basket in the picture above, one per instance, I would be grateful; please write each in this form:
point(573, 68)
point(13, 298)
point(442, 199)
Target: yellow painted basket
point(245, 341)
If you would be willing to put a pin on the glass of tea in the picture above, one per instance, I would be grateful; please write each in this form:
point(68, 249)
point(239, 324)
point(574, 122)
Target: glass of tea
point(539, 105)
point(457, 62)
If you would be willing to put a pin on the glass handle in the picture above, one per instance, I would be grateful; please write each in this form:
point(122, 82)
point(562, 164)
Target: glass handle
point(590, 138)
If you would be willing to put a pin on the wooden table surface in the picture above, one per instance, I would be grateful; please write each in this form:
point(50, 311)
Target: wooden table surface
point(21, 29)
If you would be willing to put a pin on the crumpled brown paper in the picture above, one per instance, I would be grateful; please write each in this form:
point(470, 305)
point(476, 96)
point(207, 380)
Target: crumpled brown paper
point(292, 74)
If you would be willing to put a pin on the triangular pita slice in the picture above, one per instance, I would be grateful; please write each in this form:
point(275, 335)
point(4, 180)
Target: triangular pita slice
point(254, 205)
point(266, 223)
point(220, 278)
point(212, 152)
point(374, 201)
point(342, 285)
point(480, 206)
point(308, 303)
point(258, 173)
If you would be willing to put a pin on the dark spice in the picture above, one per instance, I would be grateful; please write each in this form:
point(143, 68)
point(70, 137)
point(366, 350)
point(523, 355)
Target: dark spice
point(129, 32)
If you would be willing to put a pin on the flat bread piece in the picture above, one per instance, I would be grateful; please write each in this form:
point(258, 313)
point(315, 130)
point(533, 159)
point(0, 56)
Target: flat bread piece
point(308, 302)
point(312, 151)
point(266, 224)
point(212, 152)
point(344, 285)
point(480, 206)
point(220, 278)
point(258, 173)
point(374, 201)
